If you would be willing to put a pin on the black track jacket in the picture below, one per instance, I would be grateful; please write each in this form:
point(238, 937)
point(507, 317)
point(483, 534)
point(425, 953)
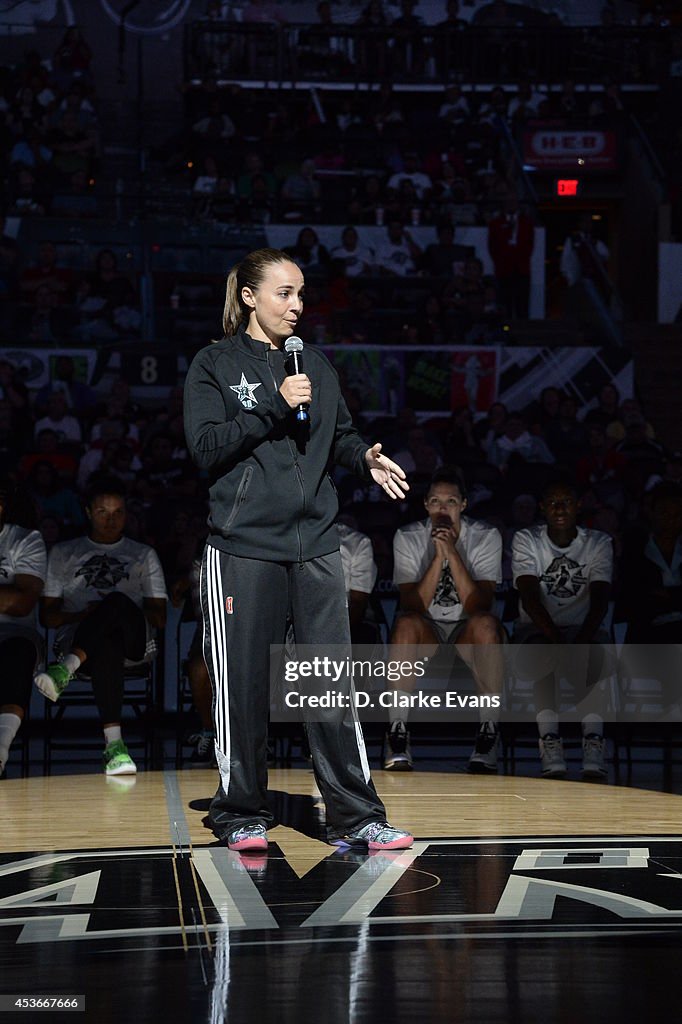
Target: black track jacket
point(270, 493)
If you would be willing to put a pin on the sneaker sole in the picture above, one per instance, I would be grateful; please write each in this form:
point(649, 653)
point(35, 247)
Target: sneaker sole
point(480, 768)
point(124, 769)
point(398, 764)
point(404, 843)
point(45, 684)
point(254, 843)
point(554, 773)
point(361, 845)
point(596, 774)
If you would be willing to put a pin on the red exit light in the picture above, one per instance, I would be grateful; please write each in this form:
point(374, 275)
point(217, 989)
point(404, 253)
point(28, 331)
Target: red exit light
point(567, 186)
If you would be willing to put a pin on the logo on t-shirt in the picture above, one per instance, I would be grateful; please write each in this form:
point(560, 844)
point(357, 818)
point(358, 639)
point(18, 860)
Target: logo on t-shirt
point(3, 571)
point(244, 392)
point(103, 572)
point(563, 577)
point(446, 595)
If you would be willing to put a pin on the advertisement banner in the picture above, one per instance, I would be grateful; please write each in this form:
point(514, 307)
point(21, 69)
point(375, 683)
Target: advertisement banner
point(560, 149)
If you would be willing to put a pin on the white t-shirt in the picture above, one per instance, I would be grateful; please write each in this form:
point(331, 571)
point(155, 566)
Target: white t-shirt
point(395, 257)
point(22, 553)
point(565, 574)
point(80, 571)
point(356, 260)
point(421, 181)
point(67, 428)
point(478, 545)
point(357, 560)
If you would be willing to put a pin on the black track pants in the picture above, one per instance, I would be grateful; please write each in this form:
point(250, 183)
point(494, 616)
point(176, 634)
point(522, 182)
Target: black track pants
point(245, 603)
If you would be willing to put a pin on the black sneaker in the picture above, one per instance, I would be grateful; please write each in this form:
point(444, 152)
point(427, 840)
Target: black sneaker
point(486, 751)
point(397, 753)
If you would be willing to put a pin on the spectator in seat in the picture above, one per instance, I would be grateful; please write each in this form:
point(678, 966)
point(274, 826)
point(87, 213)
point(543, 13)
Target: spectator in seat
point(80, 398)
point(360, 574)
point(47, 447)
point(517, 441)
point(52, 497)
point(511, 237)
point(650, 585)
point(445, 258)
point(563, 574)
point(355, 257)
point(46, 322)
point(411, 172)
point(566, 437)
point(104, 596)
point(398, 254)
point(23, 565)
point(447, 568)
point(46, 271)
point(302, 188)
point(59, 419)
point(308, 252)
point(165, 477)
point(187, 588)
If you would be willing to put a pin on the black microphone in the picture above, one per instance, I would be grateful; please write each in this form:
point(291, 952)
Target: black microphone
point(292, 347)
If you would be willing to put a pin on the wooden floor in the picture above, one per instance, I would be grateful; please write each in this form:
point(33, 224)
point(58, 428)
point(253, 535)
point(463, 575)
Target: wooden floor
point(88, 811)
point(523, 899)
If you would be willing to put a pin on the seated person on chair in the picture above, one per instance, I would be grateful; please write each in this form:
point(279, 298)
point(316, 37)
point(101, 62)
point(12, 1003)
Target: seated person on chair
point(650, 594)
point(447, 568)
point(197, 673)
point(359, 574)
point(104, 595)
point(563, 574)
point(23, 565)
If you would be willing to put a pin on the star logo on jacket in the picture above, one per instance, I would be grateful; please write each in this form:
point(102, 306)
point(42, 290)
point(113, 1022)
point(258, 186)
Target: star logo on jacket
point(244, 392)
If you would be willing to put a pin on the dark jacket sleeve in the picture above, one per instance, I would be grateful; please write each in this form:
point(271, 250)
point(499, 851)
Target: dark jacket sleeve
point(349, 446)
point(214, 440)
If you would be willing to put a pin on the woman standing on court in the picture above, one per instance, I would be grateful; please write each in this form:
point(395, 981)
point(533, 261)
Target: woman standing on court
point(273, 546)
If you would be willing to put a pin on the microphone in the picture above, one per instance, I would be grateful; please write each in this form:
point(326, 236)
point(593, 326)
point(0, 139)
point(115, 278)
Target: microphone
point(292, 347)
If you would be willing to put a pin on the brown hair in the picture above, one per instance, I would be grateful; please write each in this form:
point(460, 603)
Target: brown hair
point(248, 273)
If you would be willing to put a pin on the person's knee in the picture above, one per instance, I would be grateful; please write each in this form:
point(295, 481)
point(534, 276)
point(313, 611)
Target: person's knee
point(407, 629)
point(485, 628)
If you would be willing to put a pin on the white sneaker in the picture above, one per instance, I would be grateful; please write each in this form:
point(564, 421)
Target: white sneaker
point(552, 757)
point(486, 751)
point(593, 757)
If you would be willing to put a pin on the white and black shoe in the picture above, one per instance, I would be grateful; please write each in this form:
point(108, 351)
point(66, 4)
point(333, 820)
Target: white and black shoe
point(397, 753)
point(204, 750)
point(485, 757)
point(593, 757)
point(552, 756)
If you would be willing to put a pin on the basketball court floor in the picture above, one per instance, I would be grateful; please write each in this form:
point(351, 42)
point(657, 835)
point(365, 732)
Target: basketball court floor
point(523, 899)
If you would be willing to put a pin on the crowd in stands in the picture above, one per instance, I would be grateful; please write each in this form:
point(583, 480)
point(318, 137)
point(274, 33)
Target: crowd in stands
point(332, 162)
point(58, 442)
